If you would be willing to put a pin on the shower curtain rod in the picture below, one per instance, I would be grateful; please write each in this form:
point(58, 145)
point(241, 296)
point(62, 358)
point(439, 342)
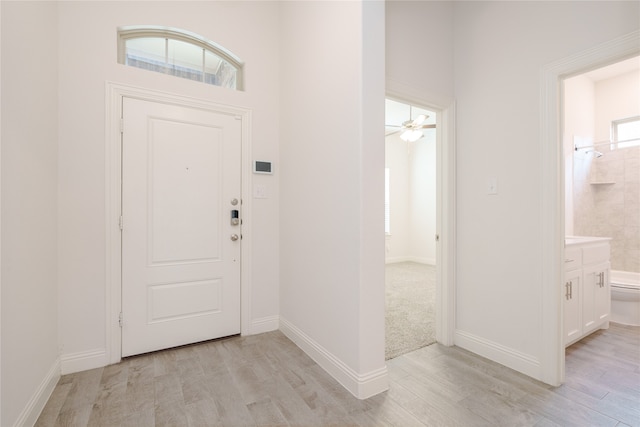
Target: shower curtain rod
point(597, 144)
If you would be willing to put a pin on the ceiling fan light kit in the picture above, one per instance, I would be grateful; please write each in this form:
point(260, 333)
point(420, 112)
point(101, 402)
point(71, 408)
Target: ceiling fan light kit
point(411, 135)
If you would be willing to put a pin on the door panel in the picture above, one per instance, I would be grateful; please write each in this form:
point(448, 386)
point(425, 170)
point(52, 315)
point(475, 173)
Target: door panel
point(184, 225)
point(598, 300)
point(180, 269)
point(572, 295)
point(597, 296)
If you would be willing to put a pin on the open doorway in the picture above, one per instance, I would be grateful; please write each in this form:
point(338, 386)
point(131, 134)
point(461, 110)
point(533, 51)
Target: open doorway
point(601, 128)
point(410, 227)
point(552, 357)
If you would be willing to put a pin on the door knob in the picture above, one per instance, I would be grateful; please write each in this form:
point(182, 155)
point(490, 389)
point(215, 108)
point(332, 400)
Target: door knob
point(234, 237)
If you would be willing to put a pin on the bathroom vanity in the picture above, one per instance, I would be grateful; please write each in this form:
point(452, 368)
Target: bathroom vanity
point(586, 290)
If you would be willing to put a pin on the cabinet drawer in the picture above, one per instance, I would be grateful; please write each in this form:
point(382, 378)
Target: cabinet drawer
point(597, 253)
point(572, 258)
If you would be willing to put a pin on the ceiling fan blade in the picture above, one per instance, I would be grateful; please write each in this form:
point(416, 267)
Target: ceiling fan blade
point(418, 120)
point(426, 127)
point(392, 133)
point(393, 126)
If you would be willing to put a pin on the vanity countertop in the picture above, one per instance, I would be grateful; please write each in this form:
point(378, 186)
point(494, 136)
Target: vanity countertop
point(581, 240)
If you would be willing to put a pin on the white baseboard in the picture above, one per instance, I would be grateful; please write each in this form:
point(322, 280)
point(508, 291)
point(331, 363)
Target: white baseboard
point(84, 360)
point(506, 356)
point(428, 261)
point(265, 324)
point(395, 259)
point(34, 407)
point(361, 386)
point(419, 260)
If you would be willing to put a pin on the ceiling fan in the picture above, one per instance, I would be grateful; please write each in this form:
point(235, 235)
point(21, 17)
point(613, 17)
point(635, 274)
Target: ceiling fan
point(411, 129)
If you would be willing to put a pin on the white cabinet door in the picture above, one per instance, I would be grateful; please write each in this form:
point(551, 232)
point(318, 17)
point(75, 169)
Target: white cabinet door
point(180, 247)
point(596, 296)
point(571, 294)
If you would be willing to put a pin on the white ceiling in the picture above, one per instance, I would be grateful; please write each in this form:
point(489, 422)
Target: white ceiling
point(613, 70)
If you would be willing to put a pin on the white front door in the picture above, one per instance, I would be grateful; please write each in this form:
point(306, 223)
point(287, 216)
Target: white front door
point(180, 247)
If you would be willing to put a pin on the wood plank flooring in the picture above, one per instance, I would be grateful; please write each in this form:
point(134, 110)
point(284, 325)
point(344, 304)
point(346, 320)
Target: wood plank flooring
point(265, 380)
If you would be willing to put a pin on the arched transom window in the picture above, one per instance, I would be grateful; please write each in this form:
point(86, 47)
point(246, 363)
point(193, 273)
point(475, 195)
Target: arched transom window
point(179, 53)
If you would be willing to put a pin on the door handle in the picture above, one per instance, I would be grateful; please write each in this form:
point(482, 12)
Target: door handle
point(571, 289)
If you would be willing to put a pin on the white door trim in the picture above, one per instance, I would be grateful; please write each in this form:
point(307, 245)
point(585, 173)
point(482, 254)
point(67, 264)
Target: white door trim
point(445, 207)
point(446, 200)
point(552, 185)
point(113, 189)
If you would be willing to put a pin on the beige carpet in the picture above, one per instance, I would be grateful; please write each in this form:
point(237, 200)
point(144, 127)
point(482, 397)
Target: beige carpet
point(410, 307)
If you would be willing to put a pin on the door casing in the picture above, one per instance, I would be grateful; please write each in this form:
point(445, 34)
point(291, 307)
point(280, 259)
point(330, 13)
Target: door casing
point(552, 355)
point(113, 173)
point(445, 208)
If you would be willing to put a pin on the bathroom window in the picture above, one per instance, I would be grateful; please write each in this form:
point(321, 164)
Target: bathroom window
point(625, 132)
point(179, 53)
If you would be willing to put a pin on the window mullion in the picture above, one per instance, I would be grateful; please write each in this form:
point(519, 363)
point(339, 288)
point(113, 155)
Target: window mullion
point(166, 52)
point(203, 64)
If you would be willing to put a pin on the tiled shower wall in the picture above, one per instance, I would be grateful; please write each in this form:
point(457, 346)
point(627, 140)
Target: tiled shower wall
point(607, 202)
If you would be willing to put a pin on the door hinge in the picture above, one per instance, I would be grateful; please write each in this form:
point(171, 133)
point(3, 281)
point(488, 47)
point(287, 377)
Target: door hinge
point(437, 237)
point(121, 125)
point(120, 319)
point(120, 222)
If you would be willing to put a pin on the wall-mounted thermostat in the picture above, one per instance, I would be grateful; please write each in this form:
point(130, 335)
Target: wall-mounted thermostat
point(262, 167)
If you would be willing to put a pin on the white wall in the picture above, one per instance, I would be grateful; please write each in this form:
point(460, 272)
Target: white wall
point(419, 54)
point(500, 48)
point(87, 49)
point(332, 188)
point(371, 367)
point(615, 98)
point(30, 364)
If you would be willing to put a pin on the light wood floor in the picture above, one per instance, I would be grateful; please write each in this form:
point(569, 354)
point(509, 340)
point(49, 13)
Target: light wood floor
point(265, 380)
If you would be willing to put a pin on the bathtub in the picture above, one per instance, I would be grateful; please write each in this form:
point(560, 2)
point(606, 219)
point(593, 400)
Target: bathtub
point(625, 297)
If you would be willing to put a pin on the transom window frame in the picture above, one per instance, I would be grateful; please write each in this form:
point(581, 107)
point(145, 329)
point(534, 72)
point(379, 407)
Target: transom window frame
point(144, 31)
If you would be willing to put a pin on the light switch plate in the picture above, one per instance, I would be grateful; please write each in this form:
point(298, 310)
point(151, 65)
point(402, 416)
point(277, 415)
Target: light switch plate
point(259, 192)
